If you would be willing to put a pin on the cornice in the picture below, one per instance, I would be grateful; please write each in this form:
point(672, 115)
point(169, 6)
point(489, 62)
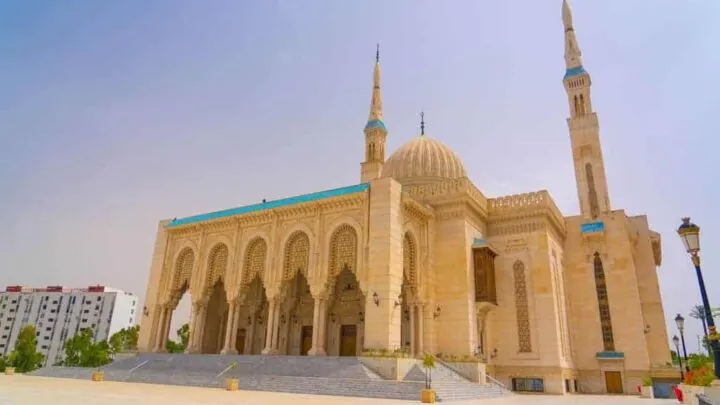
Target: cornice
point(332, 205)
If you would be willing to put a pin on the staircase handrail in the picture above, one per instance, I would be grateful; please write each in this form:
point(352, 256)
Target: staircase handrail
point(451, 368)
point(495, 381)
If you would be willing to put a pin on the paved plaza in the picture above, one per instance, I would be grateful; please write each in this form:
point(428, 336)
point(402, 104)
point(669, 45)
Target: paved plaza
point(25, 390)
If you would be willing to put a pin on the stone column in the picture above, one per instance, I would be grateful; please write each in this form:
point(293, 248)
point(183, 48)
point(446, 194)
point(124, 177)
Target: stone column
point(270, 328)
point(200, 333)
point(278, 329)
point(322, 343)
point(413, 335)
point(230, 325)
point(233, 333)
point(316, 350)
point(160, 328)
point(250, 338)
point(421, 331)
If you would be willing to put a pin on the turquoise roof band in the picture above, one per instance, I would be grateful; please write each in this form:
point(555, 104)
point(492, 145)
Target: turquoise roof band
point(576, 71)
point(479, 242)
point(376, 123)
point(609, 355)
point(270, 204)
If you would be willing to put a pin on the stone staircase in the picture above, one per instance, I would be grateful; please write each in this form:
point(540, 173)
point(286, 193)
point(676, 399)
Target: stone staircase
point(321, 375)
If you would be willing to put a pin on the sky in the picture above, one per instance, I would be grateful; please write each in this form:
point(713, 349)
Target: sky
point(115, 115)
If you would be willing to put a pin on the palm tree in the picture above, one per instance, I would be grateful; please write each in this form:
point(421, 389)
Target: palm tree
point(698, 312)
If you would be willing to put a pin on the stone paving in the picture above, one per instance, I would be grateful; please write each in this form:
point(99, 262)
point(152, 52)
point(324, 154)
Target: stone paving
point(26, 390)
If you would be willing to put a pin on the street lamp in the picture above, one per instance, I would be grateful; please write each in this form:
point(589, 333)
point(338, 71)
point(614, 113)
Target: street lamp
point(680, 322)
point(676, 342)
point(690, 235)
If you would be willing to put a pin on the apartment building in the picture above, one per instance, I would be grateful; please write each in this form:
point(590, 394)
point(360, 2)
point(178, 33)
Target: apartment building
point(59, 313)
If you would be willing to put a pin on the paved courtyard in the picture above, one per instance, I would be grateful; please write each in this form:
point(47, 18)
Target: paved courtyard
point(24, 390)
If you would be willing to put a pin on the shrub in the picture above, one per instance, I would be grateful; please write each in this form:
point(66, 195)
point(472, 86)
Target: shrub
point(647, 382)
point(702, 377)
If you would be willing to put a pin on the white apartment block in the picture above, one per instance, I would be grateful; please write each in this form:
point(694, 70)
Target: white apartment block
point(59, 313)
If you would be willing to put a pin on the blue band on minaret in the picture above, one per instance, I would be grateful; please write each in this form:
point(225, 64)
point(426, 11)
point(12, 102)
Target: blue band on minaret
point(576, 71)
point(376, 123)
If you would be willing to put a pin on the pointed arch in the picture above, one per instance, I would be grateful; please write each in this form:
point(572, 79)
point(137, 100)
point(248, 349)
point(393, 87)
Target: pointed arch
point(522, 311)
point(217, 264)
point(410, 272)
point(254, 263)
point(181, 275)
point(343, 250)
point(603, 304)
point(296, 255)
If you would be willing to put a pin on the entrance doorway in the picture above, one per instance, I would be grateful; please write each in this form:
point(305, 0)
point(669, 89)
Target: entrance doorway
point(306, 340)
point(348, 340)
point(240, 341)
point(613, 382)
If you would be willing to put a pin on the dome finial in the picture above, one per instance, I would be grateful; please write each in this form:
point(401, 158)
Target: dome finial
point(377, 54)
point(422, 123)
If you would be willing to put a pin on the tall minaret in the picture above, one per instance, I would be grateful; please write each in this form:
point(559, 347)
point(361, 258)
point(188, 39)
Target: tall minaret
point(375, 131)
point(584, 129)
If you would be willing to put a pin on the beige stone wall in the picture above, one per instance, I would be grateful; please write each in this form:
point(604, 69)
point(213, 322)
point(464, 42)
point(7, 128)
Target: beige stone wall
point(616, 251)
point(149, 323)
point(649, 289)
point(385, 264)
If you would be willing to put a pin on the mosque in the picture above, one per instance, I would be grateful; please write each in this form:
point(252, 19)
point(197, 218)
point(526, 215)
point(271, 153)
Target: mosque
point(416, 259)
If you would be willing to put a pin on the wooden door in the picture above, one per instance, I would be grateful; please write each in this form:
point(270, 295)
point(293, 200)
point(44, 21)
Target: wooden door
point(348, 340)
point(240, 341)
point(613, 382)
point(306, 340)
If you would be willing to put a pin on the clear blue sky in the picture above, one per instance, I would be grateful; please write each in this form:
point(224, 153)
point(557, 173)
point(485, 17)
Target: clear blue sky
point(114, 115)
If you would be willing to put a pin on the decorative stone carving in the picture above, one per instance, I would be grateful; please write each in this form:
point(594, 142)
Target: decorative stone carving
point(603, 304)
point(522, 310)
point(254, 263)
point(217, 265)
point(297, 255)
point(343, 250)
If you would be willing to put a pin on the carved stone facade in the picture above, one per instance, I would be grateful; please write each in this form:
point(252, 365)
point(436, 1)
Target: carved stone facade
point(416, 258)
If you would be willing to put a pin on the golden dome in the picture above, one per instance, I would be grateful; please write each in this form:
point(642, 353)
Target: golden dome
point(423, 160)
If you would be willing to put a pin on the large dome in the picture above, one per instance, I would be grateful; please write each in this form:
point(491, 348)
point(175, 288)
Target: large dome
point(423, 160)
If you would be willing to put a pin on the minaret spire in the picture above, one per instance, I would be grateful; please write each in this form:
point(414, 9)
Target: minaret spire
point(573, 55)
point(590, 175)
point(376, 112)
point(375, 131)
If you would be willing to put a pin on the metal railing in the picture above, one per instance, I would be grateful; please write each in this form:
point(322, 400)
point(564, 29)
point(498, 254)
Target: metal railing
point(705, 400)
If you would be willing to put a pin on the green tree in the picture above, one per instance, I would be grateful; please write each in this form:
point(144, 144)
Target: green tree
point(179, 347)
point(3, 364)
point(82, 351)
point(25, 357)
point(698, 312)
point(124, 340)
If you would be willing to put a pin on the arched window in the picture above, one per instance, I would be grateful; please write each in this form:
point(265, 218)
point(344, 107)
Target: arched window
point(576, 105)
point(522, 310)
point(582, 105)
point(254, 263)
point(343, 250)
point(297, 255)
point(603, 304)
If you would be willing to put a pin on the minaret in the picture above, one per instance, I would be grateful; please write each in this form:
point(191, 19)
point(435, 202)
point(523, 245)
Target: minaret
point(375, 131)
point(584, 129)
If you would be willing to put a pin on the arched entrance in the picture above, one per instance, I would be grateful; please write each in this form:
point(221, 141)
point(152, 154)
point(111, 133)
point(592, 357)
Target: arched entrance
point(296, 319)
point(345, 332)
point(179, 285)
point(342, 315)
point(411, 311)
point(252, 319)
point(216, 320)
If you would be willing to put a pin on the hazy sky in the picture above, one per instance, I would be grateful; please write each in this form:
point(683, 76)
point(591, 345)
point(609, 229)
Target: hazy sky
point(116, 114)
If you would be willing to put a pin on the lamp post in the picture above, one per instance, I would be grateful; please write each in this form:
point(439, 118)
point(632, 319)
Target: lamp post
point(676, 342)
point(680, 322)
point(690, 235)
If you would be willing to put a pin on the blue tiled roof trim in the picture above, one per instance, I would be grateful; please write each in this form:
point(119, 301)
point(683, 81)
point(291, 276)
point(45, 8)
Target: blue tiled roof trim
point(270, 204)
point(592, 227)
point(610, 355)
point(576, 71)
point(376, 123)
point(479, 242)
